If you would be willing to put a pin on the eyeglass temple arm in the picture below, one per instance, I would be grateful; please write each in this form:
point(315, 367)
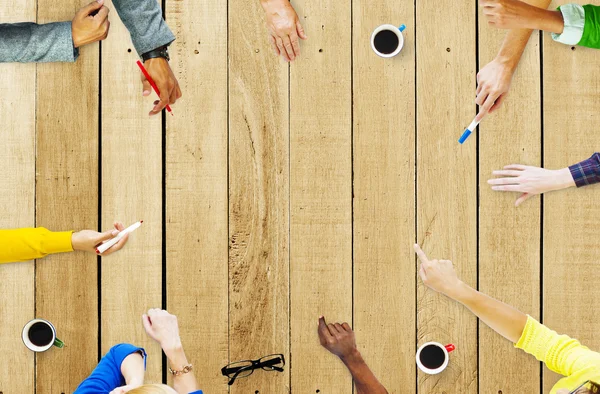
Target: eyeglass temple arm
point(239, 371)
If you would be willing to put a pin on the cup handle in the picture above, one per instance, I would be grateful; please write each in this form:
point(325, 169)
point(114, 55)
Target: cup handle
point(58, 343)
point(401, 28)
point(450, 348)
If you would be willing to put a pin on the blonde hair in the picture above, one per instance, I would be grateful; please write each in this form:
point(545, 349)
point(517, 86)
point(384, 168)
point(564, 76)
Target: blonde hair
point(150, 389)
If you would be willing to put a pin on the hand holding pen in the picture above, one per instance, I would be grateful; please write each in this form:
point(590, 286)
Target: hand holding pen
point(88, 240)
point(157, 72)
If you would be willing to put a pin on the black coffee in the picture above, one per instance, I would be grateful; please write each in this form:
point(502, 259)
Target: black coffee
point(386, 42)
point(432, 357)
point(40, 334)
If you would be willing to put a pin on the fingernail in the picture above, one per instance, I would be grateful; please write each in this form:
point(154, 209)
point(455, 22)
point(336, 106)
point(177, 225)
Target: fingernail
point(115, 233)
point(146, 92)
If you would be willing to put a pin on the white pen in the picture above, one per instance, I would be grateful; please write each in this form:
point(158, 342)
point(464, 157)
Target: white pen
point(104, 246)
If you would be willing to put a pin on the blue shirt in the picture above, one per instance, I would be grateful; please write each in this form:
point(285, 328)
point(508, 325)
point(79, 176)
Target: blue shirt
point(107, 375)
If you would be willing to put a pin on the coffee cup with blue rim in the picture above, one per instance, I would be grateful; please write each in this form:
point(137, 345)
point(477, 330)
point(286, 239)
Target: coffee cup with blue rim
point(39, 335)
point(387, 40)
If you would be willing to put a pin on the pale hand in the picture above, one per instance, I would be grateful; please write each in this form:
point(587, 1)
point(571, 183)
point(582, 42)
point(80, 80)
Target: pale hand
point(90, 24)
point(163, 328)
point(162, 75)
point(88, 240)
point(530, 180)
point(284, 28)
point(508, 14)
point(438, 275)
point(337, 338)
point(493, 84)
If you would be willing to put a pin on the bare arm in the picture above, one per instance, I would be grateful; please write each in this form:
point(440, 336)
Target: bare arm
point(184, 383)
point(439, 275)
point(339, 340)
point(132, 369)
point(494, 79)
point(163, 328)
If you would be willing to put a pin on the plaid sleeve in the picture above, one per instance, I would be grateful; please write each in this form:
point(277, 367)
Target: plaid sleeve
point(586, 172)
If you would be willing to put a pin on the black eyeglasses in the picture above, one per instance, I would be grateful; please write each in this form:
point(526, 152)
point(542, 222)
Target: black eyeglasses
point(245, 368)
point(593, 387)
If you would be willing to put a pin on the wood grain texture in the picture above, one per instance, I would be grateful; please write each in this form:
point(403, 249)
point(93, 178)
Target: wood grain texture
point(196, 187)
point(131, 191)
point(446, 182)
point(509, 236)
point(67, 199)
point(17, 194)
point(384, 197)
point(321, 192)
point(571, 251)
point(258, 200)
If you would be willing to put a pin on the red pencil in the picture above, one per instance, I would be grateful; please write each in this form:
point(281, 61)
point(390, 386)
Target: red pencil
point(151, 81)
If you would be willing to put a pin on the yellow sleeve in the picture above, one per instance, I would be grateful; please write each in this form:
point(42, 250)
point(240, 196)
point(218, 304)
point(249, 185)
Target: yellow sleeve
point(32, 243)
point(560, 353)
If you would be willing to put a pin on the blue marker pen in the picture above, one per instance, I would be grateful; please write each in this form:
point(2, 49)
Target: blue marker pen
point(468, 131)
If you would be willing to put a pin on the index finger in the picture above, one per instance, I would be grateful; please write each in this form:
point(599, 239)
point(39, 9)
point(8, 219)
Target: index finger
point(295, 43)
point(323, 330)
point(164, 100)
point(422, 256)
point(102, 14)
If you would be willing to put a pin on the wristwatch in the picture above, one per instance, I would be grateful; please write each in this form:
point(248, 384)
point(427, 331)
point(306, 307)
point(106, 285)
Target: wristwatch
point(158, 52)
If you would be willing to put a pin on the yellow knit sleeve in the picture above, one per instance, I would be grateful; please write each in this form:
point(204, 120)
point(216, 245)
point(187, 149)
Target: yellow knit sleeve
point(32, 243)
point(560, 353)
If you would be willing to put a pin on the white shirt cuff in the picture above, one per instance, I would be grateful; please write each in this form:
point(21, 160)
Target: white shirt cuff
point(574, 19)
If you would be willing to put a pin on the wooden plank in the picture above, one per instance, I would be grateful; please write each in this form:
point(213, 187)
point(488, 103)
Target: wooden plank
point(447, 211)
point(570, 245)
point(67, 198)
point(320, 189)
point(384, 196)
point(131, 191)
point(196, 187)
point(17, 171)
point(509, 237)
point(258, 200)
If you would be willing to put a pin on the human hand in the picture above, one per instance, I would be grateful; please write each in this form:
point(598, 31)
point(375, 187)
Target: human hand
point(163, 328)
point(438, 275)
point(88, 240)
point(337, 338)
point(284, 28)
point(530, 180)
point(160, 71)
point(493, 83)
point(509, 14)
point(90, 24)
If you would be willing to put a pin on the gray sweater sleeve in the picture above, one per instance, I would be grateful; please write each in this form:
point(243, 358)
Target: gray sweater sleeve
point(30, 42)
point(143, 19)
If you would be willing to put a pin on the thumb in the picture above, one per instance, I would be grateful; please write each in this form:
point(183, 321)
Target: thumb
point(147, 324)
point(300, 31)
point(105, 236)
point(523, 197)
point(322, 323)
point(93, 6)
point(147, 89)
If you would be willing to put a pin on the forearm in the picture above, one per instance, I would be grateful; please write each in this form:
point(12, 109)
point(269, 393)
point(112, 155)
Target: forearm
point(364, 379)
point(30, 42)
point(132, 369)
point(500, 317)
point(143, 19)
point(184, 383)
point(516, 40)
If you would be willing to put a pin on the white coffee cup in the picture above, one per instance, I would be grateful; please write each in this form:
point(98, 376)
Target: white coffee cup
point(49, 335)
point(446, 350)
point(394, 29)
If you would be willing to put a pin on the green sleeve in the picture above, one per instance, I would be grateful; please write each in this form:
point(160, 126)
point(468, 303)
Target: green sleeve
point(591, 29)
